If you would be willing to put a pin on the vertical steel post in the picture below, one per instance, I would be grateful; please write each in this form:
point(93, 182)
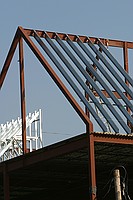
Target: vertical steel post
point(92, 174)
point(6, 183)
point(125, 56)
point(86, 109)
point(91, 152)
point(91, 156)
point(22, 90)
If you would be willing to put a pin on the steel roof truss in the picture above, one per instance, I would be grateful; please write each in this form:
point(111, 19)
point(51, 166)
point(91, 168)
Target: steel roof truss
point(56, 79)
point(70, 81)
point(82, 41)
point(80, 81)
point(107, 64)
point(92, 82)
point(90, 68)
point(110, 80)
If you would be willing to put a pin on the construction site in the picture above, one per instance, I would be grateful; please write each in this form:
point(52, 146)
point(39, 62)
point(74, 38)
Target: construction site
point(93, 165)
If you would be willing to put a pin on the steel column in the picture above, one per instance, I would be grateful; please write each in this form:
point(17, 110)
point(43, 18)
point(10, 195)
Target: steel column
point(86, 109)
point(22, 90)
point(125, 56)
point(6, 183)
point(91, 163)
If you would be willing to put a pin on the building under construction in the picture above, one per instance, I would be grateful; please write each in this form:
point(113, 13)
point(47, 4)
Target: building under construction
point(81, 167)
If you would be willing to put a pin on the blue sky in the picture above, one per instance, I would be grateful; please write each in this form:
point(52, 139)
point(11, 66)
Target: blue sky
point(105, 18)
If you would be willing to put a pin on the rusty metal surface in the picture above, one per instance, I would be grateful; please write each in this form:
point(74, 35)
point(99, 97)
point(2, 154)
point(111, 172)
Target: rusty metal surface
point(107, 42)
point(114, 92)
point(91, 168)
point(9, 58)
point(22, 89)
point(113, 138)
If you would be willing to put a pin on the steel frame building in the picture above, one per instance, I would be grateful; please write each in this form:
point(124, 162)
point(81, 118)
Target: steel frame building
point(91, 146)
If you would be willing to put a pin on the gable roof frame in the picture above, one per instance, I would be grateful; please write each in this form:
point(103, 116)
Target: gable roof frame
point(21, 34)
point(25, 34)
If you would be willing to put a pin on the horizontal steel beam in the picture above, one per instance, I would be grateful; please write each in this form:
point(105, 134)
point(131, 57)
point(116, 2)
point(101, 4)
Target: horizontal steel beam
point(108, 42)
point(107, 95)
point(62, 148)
point(46, 153)
point(113, 138)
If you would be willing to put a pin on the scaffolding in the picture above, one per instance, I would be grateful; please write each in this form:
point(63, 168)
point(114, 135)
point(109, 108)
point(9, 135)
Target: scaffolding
point(11, 136)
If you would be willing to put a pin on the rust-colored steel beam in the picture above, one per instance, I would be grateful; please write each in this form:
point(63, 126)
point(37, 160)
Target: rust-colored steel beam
point(91, 164)
point(86, 109)
point(61, 148)
point(9, 58)
point(56, 79)
point(91, 155)
point(6, 183)
point(125, 56)
point(55, 150)
point(107, 95)
point(22, 91)
point(46, 153)
point(108, 42)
